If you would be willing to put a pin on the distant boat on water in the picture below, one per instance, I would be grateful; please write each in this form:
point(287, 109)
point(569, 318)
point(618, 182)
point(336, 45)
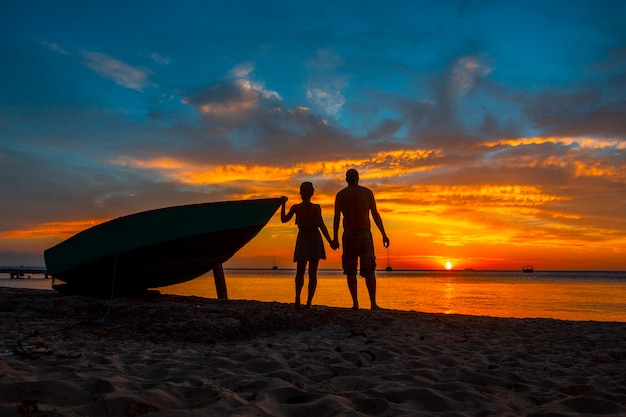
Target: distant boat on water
point(156, 248)
point(528, 268)
point(21, 272)
point(389, 268)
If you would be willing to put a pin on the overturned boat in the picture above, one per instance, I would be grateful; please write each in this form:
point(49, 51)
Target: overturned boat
point(156, 248)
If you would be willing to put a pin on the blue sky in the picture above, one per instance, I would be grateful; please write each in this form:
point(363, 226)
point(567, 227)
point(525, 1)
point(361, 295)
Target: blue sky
point(107, 108)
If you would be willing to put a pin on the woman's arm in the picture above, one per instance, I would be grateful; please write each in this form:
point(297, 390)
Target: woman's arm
point(286, 217)
point(322, 225)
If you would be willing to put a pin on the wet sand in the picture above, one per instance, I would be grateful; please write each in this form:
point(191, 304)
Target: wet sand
point(188, 356)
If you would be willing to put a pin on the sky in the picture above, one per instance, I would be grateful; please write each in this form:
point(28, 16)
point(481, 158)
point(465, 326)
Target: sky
point(492, 133)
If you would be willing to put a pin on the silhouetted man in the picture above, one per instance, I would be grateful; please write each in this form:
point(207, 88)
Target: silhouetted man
point(355, 203)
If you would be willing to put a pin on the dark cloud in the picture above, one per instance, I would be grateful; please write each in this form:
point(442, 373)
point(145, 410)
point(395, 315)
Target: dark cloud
point(603, 120)
point(249, 123)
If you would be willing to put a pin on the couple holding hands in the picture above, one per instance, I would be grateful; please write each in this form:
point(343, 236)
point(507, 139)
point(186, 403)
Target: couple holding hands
point(355, 203)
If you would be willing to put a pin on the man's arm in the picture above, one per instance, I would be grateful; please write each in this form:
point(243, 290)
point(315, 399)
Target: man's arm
point(378, 221)
point(336, 220)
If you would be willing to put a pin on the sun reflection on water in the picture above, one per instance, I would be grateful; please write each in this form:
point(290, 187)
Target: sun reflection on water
point(491, 293)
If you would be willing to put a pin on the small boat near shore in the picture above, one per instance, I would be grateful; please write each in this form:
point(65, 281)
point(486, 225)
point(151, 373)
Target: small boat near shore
point(156, 248)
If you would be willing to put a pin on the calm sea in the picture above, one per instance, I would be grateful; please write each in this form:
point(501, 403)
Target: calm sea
point(599, 296)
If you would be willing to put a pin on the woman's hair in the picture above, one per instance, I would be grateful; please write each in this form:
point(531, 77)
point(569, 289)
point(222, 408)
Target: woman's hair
point(306, 189)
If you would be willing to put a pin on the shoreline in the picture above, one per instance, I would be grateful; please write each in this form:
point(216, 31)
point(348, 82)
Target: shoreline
point(187, 356)
point(4, 270)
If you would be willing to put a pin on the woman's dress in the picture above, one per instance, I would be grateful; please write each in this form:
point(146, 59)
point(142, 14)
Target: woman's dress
point(309, 243)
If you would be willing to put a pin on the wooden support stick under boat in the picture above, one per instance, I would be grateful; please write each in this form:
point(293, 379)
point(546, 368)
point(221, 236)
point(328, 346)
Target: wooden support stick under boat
point(220, 282)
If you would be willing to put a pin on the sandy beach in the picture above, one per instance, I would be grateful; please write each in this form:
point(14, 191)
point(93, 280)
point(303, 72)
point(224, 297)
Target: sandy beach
point(187, 356)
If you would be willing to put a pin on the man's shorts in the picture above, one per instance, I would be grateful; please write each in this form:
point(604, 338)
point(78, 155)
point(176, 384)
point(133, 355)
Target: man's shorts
point(358, 243)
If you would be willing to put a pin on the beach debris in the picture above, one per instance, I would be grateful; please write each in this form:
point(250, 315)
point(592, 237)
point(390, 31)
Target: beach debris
point(28, 408)
point(140, 408)
point(369, 354)
point(29, 350)
point(62, 355)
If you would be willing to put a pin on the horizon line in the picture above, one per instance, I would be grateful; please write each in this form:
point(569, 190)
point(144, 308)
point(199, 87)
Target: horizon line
point(43, 269)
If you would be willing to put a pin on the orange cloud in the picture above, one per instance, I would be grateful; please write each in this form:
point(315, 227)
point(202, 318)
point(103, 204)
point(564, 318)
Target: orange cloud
point(590, 143)
point(380, 165)
point(418, 197)
point(57, 229)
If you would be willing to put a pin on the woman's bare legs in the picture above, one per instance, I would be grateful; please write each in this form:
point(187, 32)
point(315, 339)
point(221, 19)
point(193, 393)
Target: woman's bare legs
point(299, 280)
point(312, 280)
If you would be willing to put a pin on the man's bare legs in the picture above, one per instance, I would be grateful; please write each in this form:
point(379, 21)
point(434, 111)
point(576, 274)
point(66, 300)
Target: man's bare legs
point(352, 286)
point(312, 281)
point(371, 288)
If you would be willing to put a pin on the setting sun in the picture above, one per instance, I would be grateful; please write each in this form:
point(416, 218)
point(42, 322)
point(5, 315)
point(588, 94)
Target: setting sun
point(448, 265)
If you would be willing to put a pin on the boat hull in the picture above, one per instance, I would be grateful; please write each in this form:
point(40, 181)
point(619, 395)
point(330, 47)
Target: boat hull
point(125, 256)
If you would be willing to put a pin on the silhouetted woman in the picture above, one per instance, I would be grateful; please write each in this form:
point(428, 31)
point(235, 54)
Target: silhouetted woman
point(309, 244)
